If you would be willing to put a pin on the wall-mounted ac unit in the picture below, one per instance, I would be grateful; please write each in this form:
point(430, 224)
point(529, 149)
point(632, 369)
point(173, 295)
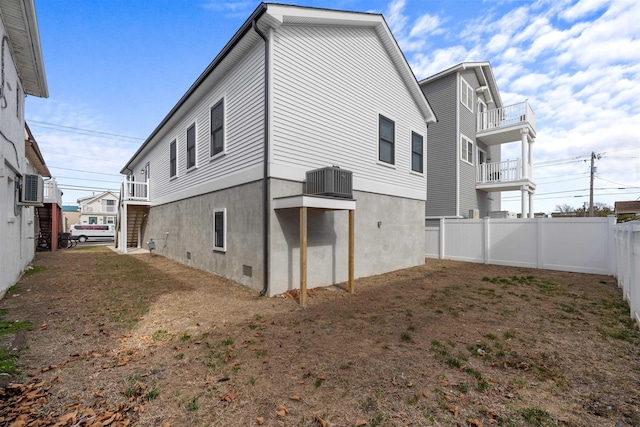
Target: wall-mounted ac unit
point(330, 181)
point(32, 190)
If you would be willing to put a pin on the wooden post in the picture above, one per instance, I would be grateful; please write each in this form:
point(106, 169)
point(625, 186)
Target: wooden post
point(351, 252)
point(303, 256)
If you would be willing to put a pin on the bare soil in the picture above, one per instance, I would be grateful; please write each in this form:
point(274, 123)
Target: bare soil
point(138, 340)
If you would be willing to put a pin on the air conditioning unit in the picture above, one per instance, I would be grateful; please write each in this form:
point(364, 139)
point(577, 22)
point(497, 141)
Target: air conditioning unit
point(32, 191)
point(330, 181)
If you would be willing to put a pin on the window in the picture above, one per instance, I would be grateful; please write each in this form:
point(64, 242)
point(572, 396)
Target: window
point(93, 220)
point(482, 156)
point(220, 230)
point(172, 159)
point(466, 94)
point(217, 128)
point(191, 146)
point(417, 153)
point(466, 149)
point(386, 144)
point(108, 220)
point(108, 205)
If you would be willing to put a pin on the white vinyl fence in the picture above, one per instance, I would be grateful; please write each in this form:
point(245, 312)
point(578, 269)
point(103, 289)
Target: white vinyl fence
point(627, 255)
point(582, 245)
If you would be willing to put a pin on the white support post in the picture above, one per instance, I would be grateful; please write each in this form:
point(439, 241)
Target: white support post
point(523, 202)
point(441, 238)
point(124, 220)
point(525, 142)
point(540, 243)
point(487, 243)
point(531, 213)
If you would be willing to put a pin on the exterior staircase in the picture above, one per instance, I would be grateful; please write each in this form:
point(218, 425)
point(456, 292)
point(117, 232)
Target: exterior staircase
point(135, 220)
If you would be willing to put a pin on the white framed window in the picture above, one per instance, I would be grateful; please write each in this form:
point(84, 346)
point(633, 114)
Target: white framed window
point(466, 149)
point(481, 156)
point(191, 146)
point(220, 230)
point(217, 146)
point(417, 153)
point(386, 140)
point(173, 159)
point(466, 94)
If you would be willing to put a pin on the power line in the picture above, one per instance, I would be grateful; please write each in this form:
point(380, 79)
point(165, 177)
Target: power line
point(85, 158)
point(80, 170)
point(86, 179)
point(82, 131)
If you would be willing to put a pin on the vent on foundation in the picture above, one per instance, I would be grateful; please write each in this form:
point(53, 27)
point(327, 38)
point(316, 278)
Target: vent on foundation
point(188, 255)
point(247, 270)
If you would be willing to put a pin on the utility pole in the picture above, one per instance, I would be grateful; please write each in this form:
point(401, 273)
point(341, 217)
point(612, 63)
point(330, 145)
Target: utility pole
point(594, 156)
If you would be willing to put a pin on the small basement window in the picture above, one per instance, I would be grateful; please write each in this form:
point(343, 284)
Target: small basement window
point(220, 230)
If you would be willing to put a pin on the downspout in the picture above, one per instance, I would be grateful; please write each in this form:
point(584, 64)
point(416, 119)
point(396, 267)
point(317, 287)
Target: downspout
point(265, 180)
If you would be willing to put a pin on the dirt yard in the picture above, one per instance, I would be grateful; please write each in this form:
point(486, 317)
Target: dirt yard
point(137, 340)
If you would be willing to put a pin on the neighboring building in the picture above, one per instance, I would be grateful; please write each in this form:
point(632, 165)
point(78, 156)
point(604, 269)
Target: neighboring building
point(71, 215)
point(20, 159)
point(48, 220)
point(101, 209)
point(465, 171)
point(219, 183)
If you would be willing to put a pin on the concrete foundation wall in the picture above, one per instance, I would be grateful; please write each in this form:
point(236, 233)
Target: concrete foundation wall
point(398, 242)
point(183, 232)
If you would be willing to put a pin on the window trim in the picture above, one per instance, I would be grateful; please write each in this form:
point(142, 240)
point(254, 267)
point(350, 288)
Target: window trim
point(223, 151)
point(421, 171)
point(173, 159)
point(222, 248)
point(195, 147)
point(465, 89)
point(393, 143)
point(469, 152)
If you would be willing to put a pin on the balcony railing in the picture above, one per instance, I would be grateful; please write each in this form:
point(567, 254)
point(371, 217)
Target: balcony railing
point(506, 116)
point(52, 193)
point(507, 171)
point(135, 190)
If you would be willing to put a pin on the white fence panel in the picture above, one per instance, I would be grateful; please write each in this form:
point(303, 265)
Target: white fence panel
point(432, 242)
point(513, 242)
point(583, 245)
point(579, 246)
point(465, 242)
point(627, 249)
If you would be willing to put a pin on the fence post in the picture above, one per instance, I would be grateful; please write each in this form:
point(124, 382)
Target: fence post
point(539, 243)
point(441, 238)
point(611, 252)
point(487, 243)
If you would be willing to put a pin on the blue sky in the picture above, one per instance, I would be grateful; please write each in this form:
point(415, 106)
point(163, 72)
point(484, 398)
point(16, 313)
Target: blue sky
point(115, 69)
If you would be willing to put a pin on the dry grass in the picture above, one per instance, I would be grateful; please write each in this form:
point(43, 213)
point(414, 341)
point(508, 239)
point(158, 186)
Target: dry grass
point(446, 343)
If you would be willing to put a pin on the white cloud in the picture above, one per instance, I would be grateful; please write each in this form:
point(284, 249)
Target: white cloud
point(582, 9)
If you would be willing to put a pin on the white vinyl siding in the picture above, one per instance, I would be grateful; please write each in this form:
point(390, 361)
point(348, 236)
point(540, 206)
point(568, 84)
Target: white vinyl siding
point(243, 92)
point(466, 149)
point(466, 94)
point(330, 84)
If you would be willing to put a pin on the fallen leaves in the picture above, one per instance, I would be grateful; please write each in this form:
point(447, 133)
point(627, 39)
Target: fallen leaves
point(22, 407)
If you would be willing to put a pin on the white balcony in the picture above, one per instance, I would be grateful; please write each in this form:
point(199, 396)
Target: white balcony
point(135, 190)
point(508, 175)
point(503, 125)
point(52, 193)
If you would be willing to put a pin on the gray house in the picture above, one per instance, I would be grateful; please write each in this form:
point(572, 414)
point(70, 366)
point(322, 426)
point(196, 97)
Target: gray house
point(297, 95)
point(465, 170)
